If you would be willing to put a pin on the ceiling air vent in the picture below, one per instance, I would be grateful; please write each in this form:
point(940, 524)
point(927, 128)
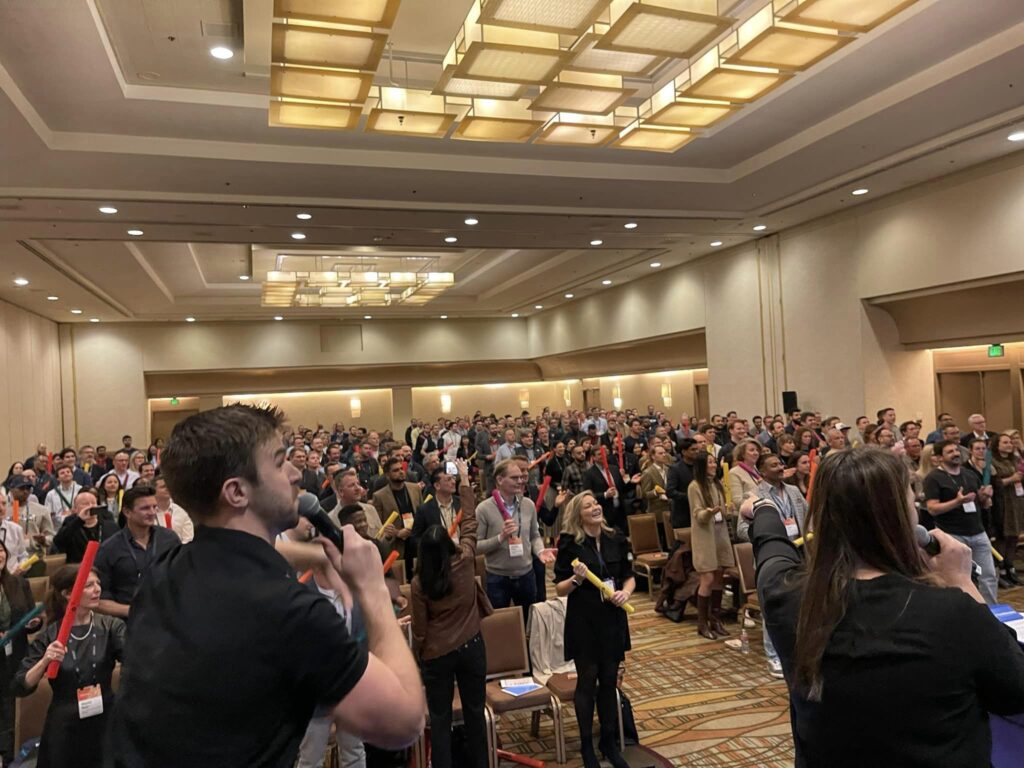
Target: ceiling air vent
point(218, 29)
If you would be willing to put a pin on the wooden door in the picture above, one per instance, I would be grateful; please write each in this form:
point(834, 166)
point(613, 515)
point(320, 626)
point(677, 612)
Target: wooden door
point(164, 421)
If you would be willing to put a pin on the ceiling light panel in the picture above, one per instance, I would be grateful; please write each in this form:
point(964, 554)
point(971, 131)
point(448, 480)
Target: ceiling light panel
point(586, 58)
point(764, 41)
point(851, 15)
point(292, 113)
point(320, 84)
point(653, 139)
point(408, 112)
point(510, 63)
point(508, 121)
point(665, 108)
point(663, 31)
point(563, 16)
point(451, 85)
point(577, 131)
point(372, 13)
point(323, 47)
point(711, 78)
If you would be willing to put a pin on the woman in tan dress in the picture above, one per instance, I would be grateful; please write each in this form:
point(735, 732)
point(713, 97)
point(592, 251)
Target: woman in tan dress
point(712, 552)
point(1008, 501)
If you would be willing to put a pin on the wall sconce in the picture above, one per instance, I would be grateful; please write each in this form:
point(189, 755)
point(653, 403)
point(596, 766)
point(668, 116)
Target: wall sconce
point(666, 394)
point(567, 397)
point(524, 398)
point(446, 403)
point(617, 398)
point(357, 407)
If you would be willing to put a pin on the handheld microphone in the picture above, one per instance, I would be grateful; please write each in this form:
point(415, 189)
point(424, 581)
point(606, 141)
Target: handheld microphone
point(309, 508)
point(926, 541)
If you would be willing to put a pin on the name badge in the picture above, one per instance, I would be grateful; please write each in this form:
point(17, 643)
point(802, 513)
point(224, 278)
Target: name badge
point(792, 529)
point(9, 649)
point(90, 701)
point(1019, 488)
point(719, 518)
point(610, 583)
point(407, 522)
point(515, 547)
point(970, 506)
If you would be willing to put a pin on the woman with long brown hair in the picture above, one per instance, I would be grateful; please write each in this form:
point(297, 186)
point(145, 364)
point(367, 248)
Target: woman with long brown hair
point(15, 601)
point(891, 657)
point(1007, 502)
point(712, 551)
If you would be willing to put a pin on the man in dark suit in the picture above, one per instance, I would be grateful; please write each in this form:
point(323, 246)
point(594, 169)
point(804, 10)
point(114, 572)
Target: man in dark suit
point(443, 508)
point(310, 480)
point(610, 489)
point(680, 475)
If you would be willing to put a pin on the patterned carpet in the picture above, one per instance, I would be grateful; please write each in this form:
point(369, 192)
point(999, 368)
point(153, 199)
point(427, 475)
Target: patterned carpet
point(696, 702)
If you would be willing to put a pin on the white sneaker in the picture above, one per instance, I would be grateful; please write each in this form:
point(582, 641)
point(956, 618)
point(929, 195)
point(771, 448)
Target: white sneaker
point(775, 668)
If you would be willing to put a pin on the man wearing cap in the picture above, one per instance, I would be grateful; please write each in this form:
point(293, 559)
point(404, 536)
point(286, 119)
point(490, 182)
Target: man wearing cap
point(34, 517)
point(12, 537)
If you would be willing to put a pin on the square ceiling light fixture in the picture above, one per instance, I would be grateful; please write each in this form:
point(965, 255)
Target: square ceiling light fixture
point(451, 85)
point(585, 57)
point(568, 17)
point(849, 15)
point(338, 47)
point(711, 78)
point(584, 93)
point(297, 113)
point(408, 112)
point(764, 41)
point(371, 13)
point(491, 120)
point(662, 28)
point(653, 138)
point(568, 129)
point(320, 84)
point(666, 109)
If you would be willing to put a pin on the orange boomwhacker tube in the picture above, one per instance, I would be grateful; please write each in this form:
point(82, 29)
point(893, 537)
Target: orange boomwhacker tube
point(304, 578)
point(521, 759)
point(451, 529)
point(813, 455)
point(390, 561)
point(16, 511)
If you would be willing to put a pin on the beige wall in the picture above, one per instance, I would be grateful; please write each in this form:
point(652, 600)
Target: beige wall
point(30, 385)
point(643, 389)
point(311, 408)
point(499, 399)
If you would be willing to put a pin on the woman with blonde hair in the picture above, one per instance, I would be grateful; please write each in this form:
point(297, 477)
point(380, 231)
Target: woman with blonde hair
point(743, 474)
point(596, 630)
point(712, 552)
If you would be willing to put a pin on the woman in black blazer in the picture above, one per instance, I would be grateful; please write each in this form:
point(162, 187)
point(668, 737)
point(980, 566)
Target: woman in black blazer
point(596, 630)
point(15, 601)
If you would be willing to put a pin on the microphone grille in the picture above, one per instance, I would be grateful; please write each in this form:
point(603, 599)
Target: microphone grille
point(308, 504)
point(922, 536)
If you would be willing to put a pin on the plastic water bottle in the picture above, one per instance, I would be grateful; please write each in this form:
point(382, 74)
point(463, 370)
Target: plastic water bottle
point(744, 640)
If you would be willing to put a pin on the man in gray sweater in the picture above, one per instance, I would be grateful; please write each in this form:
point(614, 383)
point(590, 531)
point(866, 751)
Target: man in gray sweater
point(509, 538)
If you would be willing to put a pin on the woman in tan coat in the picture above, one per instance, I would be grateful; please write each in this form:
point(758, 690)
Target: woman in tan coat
point(712, 552)
point(743, 474)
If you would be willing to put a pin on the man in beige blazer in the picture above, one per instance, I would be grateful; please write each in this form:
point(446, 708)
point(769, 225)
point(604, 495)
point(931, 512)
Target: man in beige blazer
point(653, 483)
point(403, 498)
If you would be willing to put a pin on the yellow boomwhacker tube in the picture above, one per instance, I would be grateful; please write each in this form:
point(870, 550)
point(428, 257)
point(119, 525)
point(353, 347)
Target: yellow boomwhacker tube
point(800, 541)
point(391, 518)
point(605, 590)
point(29, 563)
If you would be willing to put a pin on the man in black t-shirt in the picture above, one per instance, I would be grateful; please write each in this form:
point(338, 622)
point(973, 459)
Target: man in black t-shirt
point(229, 655)
point(954, 501)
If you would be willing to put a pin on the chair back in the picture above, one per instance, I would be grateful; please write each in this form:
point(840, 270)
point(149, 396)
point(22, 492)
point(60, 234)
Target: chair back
point(39, 585)
point(481, 569)
point(683, 536)
point(504, 637)
point(30, 713)
point(745, 566)
point(643, 533)
point(54, 563)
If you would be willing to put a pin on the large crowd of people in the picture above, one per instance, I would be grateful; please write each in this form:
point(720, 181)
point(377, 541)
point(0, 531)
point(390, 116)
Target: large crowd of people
point(545, 499)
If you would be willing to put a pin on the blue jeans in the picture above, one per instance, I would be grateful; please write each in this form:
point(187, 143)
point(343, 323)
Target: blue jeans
point(503, 591)
point(981, 553)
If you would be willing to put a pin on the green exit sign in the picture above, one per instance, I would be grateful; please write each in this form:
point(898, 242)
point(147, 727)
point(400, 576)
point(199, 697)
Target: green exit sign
point(175, 401)
point(996, 350)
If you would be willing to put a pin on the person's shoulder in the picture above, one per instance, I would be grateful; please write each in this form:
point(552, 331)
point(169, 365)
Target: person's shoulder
point(566, 541)
point(109, 624)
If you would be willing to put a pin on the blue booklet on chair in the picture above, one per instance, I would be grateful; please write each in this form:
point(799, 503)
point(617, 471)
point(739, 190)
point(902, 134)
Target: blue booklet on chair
point(519, 685)
point(1011, 618)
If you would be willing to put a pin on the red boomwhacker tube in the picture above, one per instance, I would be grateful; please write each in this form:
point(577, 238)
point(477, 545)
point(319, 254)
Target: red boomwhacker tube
point(604, 461)
point(618, 449)
point(521, 759)
point(543, 490)
point(813, 455)
point(76, 597)
point(304, 578)
point(390, 561)
point(167, 520)
point(454, 526)
point(500, 504)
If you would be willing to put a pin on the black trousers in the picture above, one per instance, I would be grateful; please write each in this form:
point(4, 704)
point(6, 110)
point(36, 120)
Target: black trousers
point(596, 679)
point(468, 666)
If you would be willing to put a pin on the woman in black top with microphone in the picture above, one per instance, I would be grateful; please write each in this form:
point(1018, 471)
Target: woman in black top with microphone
point(596, 630)
point(891, 656)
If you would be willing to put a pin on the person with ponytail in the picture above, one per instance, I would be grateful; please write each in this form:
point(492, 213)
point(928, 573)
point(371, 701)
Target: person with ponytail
point(891, 656)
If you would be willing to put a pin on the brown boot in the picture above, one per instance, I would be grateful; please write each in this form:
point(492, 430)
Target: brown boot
point(716, 614)
point(703, 629)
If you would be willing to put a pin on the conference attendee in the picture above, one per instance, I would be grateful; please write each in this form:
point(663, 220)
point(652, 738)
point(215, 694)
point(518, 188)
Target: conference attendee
point(86, 522)
point(743, 474)
point(110, 493)
point(447, 606)
point(951, 495)
point(308, 480)
point(737, 434)
point(125, 475)
point(365, 464)
point(168, 511)
point(444, 508)
point(711, 437)
point(786, 446)
point(556, 464)
point(38, 468)
point(486, 448)
point(977, 423)
point(805, 439)
point(349, 492)
point(15, 601)
point(124, 560)
point(13, 538)
point(654, 484)
point(709, 537)
point(835, 440)
point(1008, 502)
point(576, 470)
point(13, 471)
point(942, 421)
point(101, 464)
point(610, 488)
point(596, 635)
point(404, 498)
point(427, 442)
point(80, 472)
point(873, 631)
point(82, 695)
point(680, 475)
point(135, 461)
point(61, 498)
point(34, 518)
point(798, 472)
point(249, 702)
point(509, 448)
point(509, 538)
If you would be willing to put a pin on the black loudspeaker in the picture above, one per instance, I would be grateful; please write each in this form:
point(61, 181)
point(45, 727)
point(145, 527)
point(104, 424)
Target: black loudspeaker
point(789, 403)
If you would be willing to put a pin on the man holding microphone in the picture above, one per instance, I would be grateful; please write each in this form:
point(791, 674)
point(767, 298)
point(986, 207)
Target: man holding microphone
point(229, 656)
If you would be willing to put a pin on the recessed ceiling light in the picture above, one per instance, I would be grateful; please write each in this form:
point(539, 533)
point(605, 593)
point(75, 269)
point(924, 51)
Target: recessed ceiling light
point(304, 216)
point(367, 317)
point(630, 225)
point(861, 191)
point(135, 232)
point(538, 306)
point(190, 319)
point(568, 295)
point(451, 239)
point(53, 298)
point(471, 222)
point(444, 317)
point(515, 314)
point(243, 277)
point(760, 227)
point(108, 209)
point(1016, 136)
point(298, 236)
point(597, 242)
point(278, 317)
point(655, 264)
point(716, 243)
point(94, 319)
point(20, 281)
point(76, 311)
point(606, 282)
point(221, 52)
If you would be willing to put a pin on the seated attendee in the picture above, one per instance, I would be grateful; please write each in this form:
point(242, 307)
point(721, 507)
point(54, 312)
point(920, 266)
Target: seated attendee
point(798, 472)
point(34, 517)
point(109, 494)
point(15, 602)
point(87, 522)
point(875, 632)
point(12, 537)
point(61, 498)
point(181, 523)
point(349, 492)
point(124, 559)
point(124, 474)
point(40, 467)
point(14, 471)
point(73, 733)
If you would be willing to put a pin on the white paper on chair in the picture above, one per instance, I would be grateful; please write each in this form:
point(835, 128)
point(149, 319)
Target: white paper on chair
point(517, 686)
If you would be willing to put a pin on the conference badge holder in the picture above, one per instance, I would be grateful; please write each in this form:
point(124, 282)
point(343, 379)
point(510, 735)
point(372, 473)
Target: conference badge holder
point(90, 701)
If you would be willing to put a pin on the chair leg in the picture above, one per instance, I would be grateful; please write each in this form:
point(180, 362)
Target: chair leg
point(560, 756)
point(492, 738)
point(622, 730)
point(535, 723)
